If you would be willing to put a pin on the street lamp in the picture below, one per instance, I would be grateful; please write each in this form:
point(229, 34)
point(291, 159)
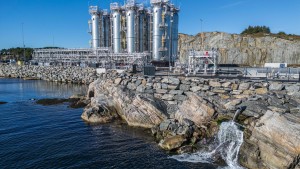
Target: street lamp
point(23, 40)
point(201, 24)
point(202, 46)
point(170, 45)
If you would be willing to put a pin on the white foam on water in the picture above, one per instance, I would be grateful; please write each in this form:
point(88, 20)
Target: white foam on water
point(227, 146)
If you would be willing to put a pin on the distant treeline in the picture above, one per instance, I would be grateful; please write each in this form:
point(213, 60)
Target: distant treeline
point(256, 29)
point(259, 31)
point(18, 53)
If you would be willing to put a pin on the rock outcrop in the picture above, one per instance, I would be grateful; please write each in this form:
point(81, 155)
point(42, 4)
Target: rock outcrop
point(100, 110)
point(242, 49)
point(274, 142)
point(184, 112)
point(196, 109)
point(173, 142)
point(139, 110)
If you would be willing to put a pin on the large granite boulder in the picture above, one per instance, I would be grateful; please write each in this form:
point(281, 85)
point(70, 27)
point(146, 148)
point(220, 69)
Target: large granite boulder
point(196, 109)
point(144, 111)
point(100, 110)
point(276, 86)
point(272, 142)
point(140, 110)
point(172, 142)
point(254, 108)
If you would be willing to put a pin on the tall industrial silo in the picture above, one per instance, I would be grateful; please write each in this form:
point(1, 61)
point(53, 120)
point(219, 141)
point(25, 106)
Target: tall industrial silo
point(175, 35)
point(106, 29)
point(157, 31)
point(131, 25)
point(142, 29)
point(150, 29)
point(94, 12)
point(116, 21)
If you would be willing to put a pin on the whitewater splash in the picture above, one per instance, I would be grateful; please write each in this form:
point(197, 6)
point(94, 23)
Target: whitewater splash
point(226, 146)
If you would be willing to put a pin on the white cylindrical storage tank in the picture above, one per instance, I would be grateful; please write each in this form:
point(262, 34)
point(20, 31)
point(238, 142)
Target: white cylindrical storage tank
point(175, 35)
point(157, 32)
point(116, 31)
point(95, 29)
point(130, 17)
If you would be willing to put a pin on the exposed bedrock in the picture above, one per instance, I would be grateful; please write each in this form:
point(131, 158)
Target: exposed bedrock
point(141, 110)
point(242, 49)
point(273, 141)
point(196, 109)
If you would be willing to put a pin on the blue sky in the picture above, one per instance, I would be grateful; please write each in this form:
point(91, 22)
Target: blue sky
point(66, 20)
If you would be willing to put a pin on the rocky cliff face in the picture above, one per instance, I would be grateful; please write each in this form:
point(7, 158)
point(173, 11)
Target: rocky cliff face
point(241, 49)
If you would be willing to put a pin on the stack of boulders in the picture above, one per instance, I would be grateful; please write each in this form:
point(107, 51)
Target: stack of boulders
point(183, 112)
point(71, 74)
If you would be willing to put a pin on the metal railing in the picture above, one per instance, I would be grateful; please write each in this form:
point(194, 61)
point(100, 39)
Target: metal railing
point(87, 56)
point(273, 73)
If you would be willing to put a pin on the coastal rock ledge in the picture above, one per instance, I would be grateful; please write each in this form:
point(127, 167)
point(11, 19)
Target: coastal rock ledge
point(274, 142)
point(184, 113)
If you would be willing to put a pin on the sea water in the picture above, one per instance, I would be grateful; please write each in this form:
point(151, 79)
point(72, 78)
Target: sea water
point(36, 136)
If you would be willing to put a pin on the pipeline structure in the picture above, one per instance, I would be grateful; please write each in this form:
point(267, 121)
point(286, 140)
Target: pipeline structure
point(123, 35)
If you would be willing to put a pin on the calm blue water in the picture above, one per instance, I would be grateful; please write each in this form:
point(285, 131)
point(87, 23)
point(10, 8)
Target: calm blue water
point(35, 136)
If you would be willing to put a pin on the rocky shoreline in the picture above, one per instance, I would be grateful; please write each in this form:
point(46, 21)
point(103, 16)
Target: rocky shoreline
point(76, 75)
point(183, 113)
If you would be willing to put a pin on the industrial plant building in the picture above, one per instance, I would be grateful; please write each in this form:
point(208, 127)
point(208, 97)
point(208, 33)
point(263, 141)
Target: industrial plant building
point(124, 35)
point(134, 28)
point(136, 34)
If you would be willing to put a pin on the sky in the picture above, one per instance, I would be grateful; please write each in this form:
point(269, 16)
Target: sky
point(64, 23)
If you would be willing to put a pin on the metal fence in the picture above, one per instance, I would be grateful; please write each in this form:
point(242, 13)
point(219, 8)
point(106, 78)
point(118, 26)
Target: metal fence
point(273, 73)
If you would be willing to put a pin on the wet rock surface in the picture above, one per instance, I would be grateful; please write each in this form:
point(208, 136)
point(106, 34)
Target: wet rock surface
point(48, 102)
point(73, 102)
point(100, 110)
point(78, 103)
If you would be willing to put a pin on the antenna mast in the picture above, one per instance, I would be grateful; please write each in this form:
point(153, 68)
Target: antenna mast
point(23, 41)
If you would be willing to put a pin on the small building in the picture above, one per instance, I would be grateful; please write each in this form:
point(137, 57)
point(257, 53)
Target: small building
point(275, 65)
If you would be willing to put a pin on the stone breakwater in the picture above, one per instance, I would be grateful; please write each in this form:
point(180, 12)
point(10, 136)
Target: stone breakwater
point(184, 113)
point(76, 75)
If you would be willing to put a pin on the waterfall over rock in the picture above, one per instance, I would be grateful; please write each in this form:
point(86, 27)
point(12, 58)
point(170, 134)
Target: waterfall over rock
point(226, 146)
